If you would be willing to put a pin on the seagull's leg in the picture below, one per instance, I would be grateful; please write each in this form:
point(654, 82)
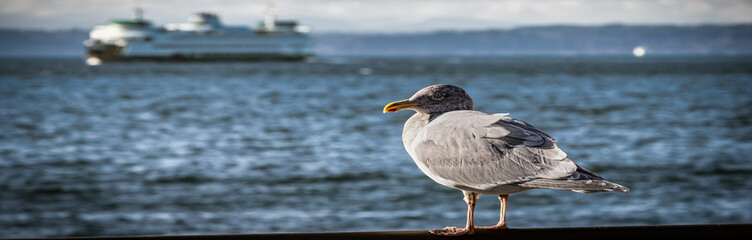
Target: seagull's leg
point(469, 229)
point(502, 215)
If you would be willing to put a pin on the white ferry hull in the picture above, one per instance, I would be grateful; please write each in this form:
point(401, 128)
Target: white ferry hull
point(203, 39)
point(266, 48)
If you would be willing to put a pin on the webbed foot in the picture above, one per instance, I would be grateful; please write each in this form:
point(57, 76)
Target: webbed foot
point(453, 231)
point(494, 227)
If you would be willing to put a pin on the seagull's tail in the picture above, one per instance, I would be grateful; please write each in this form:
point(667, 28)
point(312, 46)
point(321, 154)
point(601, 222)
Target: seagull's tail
point(581, 180)
point(581, 186)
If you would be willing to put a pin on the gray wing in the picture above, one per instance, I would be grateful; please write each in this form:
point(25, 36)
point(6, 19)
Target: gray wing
point(481, 151)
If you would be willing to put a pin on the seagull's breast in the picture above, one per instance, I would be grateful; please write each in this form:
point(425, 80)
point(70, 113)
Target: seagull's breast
point(413, 135)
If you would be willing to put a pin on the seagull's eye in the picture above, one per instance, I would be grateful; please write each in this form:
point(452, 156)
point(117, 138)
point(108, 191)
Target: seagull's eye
point(438, 96)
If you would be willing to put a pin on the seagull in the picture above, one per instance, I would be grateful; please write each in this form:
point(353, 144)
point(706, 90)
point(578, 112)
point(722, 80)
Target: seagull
point(480, 153)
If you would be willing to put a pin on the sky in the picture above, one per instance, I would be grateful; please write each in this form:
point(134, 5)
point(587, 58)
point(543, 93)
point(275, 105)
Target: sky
point(382, 16)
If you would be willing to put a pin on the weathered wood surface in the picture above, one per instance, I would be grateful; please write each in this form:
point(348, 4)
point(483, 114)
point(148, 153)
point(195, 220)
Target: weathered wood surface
point(711, 231)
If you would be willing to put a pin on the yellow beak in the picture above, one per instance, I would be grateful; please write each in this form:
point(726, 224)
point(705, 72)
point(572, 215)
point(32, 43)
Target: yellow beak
point(399, 105)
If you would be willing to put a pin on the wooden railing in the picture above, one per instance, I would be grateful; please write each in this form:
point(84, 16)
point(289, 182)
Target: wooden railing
point(712, 232)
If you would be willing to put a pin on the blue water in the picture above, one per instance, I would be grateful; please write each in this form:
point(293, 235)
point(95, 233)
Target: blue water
point(229, 147)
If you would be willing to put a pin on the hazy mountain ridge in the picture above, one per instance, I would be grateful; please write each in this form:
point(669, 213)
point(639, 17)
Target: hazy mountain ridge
point(550, 40)
point(543, 40)
point(37, 43)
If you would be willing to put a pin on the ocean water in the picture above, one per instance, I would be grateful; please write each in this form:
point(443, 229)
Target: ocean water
point(151, 148)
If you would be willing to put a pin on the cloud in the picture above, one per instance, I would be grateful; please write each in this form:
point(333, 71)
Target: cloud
point(384, 15)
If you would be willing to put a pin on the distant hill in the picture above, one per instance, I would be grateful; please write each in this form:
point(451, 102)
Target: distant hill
point(544, 40)
point(548, 40)
point(37, 43)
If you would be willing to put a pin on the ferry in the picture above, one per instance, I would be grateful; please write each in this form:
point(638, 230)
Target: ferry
point(204, 37)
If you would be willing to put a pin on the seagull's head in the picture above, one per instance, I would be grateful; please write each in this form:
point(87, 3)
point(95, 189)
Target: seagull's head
point(433, 99)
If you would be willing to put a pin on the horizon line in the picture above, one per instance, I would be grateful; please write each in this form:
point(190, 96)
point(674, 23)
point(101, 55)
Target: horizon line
point(72, 29)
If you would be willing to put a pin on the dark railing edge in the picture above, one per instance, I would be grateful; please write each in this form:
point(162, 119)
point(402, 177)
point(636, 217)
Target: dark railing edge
point(601, 232)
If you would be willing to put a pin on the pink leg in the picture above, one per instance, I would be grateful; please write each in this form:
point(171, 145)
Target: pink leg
point(469, 229)
point(502, 216)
